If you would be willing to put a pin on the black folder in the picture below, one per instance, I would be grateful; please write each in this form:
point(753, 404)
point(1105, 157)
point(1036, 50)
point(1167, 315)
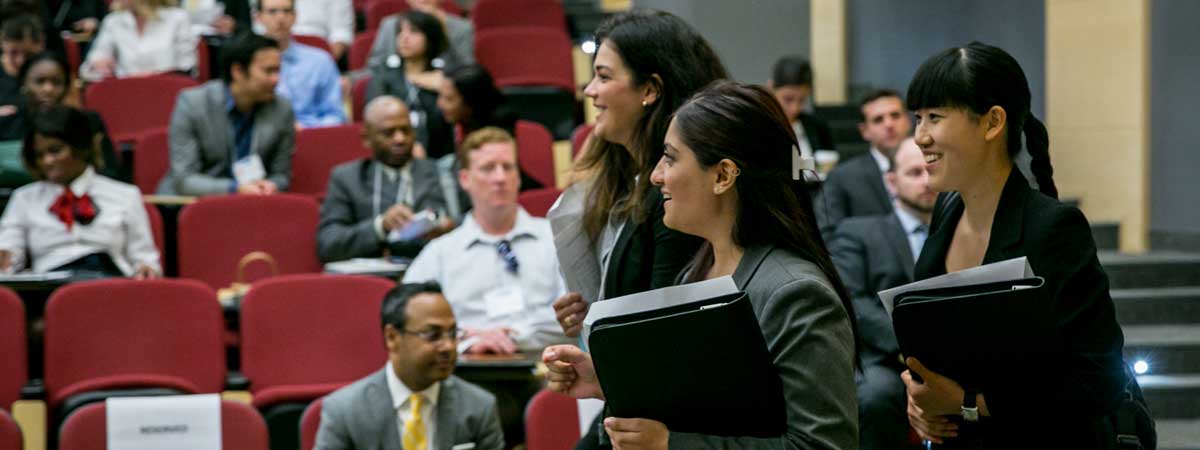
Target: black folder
point(700, 367)
point(979, 334)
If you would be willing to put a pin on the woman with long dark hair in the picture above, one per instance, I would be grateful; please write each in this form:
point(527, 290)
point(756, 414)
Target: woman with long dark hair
point(646, 65)
point(758, 226)
point(972, 107)
point(469, 99)
point(420, 42)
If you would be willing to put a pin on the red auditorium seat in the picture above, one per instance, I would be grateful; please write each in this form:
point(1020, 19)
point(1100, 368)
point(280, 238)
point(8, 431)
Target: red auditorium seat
point(216, 232)
point(358, 96)
point(492, 14)
point(156, 230)
point(310, 423)
point(314, 41)
point(579, 137)
point(535, 152)
point(537, 202)
point(318, 150)
point(304, 336)
point(203, 64)
point(10, 434)
point(551, 422)
point(132, 105)
point(378, 9)
point(121, 334)
point(13, 365)
point(526, 57)
point(151, 159)
point(241, 428)
point(360, 50)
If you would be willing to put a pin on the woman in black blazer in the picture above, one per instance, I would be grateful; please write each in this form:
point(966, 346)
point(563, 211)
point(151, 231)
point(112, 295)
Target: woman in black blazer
point(972, 105)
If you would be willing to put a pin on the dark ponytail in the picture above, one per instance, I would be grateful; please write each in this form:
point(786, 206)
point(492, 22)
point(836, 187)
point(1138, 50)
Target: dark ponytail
point(977, 77)
point(1037, 141)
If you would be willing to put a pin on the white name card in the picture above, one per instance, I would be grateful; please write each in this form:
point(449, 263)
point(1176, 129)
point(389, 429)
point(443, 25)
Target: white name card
point(179, 422)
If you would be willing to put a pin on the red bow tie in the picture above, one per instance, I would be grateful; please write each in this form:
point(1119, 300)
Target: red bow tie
point(70, 208)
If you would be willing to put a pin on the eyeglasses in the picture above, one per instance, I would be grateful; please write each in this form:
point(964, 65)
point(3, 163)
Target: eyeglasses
point(504, 248)
point(435, 335)
point(273, 11)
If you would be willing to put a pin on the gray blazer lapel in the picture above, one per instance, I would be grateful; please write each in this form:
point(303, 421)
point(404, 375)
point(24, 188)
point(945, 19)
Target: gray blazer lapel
point(218, 125)
point(379, 402)
point(881, 192)
point(443, 437)
point(751, 260)
point(897, 237)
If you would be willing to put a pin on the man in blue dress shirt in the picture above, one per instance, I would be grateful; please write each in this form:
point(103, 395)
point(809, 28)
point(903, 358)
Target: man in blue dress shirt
point(309, 77)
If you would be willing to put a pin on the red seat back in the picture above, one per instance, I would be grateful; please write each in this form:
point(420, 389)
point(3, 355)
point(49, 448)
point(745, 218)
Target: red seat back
point(203, 65)
point(122, 333)
point(132, 105)
point(579, 137)
point(303, 336)
point(314, 41)
point(13, 365)
point(242, 428)
point(216, 232)
point(551, 422)
point(156, 230)
point(492, 14)
point(535, 152)
point(378, 9)
point(10, 434)
point(360, 50)
point(526, 57)
point(318, 150)
point(537, 202)
point(151, 159)
point(310, 422)
point(358, 96)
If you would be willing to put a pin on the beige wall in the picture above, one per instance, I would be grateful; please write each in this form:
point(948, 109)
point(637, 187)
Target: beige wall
point(828, 24)
point(1097, 108)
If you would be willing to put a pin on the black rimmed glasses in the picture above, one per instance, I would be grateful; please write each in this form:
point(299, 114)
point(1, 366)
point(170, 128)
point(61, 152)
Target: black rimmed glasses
point(433, 335)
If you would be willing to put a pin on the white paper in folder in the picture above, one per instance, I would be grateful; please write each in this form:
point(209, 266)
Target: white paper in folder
point(177, 422)
point(657, 299)
point(1012, 269)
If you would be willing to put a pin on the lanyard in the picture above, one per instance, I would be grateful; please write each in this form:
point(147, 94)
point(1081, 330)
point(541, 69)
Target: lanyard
point(378, 188)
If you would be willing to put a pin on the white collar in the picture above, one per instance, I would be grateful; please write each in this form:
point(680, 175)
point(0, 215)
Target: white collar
point(881, 159)
point(81, 183)
point(400, 392)
point(522, 227)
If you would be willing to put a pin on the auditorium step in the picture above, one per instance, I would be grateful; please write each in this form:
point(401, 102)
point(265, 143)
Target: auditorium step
point(1107, 235)
point(1167, 349)
point(1178, 434)
point(1151, 270)
point(1172, 396)
point(1173, 305)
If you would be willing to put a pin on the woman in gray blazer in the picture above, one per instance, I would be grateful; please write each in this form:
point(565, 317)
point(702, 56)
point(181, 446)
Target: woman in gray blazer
point(759, 227)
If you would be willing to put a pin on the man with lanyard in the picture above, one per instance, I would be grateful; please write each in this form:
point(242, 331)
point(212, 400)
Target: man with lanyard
point(391, 203)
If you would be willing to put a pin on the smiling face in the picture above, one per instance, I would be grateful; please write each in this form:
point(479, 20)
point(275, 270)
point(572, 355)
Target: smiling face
point(450, 101)
point(954, 145)
point(688, 189)
point(615, 96)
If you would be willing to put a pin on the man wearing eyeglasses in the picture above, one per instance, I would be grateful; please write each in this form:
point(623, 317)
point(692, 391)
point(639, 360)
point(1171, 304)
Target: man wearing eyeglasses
point(413, 403)
point(499, 267)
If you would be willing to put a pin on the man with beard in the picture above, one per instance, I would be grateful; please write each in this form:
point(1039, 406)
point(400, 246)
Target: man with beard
point(856, 187)
point(370, 200)
point(875, 253)
point(413, 403)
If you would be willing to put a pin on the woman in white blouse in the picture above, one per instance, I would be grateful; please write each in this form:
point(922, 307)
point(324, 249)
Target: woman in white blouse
point(73, 218)
point(148, 37)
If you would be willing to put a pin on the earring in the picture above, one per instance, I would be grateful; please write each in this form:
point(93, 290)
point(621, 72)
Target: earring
point(644, 103)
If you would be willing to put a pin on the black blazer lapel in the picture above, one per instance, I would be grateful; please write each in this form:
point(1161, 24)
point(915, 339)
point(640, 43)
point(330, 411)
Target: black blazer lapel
point(1008, 223)
point(897, 238)
point(612, 274)
point(932, 261)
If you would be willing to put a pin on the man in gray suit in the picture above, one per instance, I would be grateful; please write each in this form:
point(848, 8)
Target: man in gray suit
point(874, 253)
point(856, 187)
point(413, 403)
point(233, 135)
point(369, 200)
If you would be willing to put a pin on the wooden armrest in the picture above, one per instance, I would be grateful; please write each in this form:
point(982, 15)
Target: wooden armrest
point(30, 416)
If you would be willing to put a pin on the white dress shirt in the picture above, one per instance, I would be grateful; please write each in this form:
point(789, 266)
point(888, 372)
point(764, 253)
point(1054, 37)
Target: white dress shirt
point(884, 164)
point(404, 194)
point(332, 20)
point(165, 44)
point(403, 407)
point(468, 265)
point(120, 229)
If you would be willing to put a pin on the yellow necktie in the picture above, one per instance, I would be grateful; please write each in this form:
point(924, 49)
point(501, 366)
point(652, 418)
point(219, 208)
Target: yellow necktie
point(414, 429)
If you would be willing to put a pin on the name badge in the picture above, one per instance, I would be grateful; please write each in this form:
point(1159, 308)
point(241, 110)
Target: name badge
point(249, 169)
point(504, 301)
